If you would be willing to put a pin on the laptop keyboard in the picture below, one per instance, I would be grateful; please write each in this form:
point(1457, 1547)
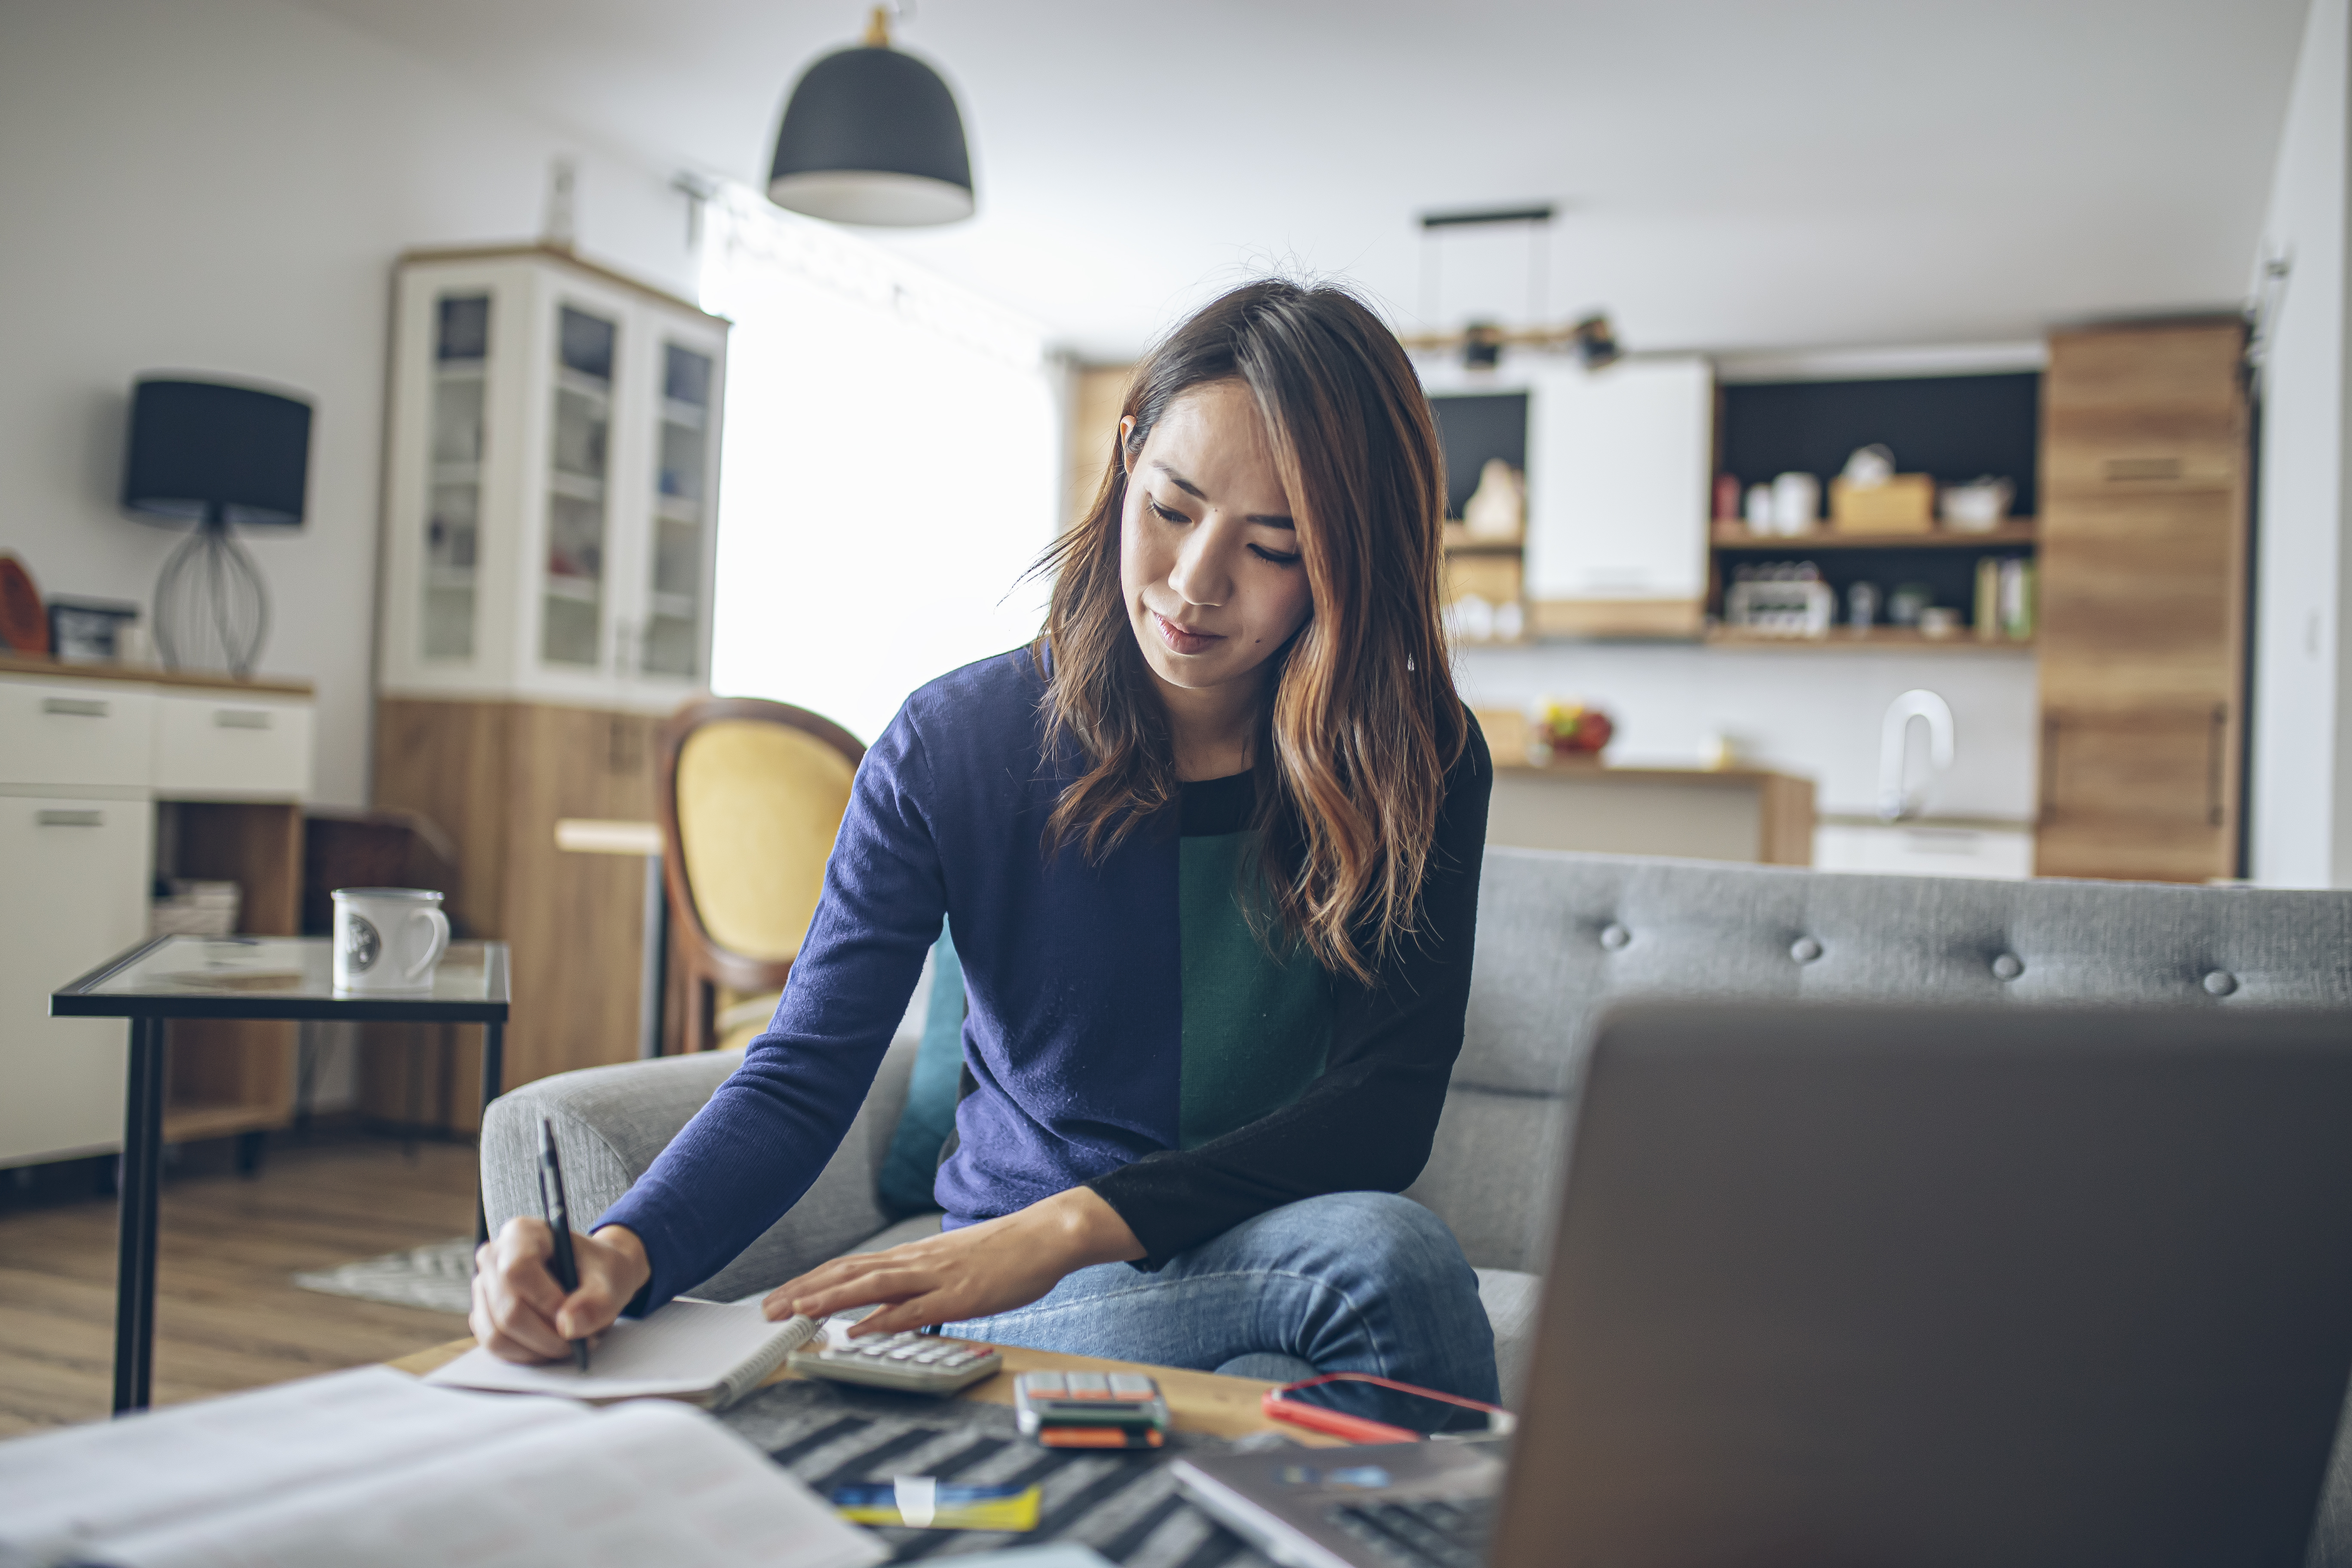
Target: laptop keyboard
point(1428, 1534)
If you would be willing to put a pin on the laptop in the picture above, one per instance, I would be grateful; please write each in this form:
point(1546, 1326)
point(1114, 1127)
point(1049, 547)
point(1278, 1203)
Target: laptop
point(1868, 1286)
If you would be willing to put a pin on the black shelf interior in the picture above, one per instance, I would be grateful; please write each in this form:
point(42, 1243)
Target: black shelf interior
point(1957, 427)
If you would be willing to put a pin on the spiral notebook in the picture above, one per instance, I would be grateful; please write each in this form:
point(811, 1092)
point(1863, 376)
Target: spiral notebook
point(705, 1353)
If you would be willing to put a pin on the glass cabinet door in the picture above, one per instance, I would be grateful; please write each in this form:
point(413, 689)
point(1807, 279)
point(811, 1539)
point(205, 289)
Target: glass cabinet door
point(572, 616)
point(682, 505)
point(461, 358)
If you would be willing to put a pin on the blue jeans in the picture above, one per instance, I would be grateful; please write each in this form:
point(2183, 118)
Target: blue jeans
point(1346, 1282)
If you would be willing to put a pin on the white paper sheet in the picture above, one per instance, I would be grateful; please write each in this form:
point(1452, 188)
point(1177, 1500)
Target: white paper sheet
point(61, 1489)
point(651, 1483)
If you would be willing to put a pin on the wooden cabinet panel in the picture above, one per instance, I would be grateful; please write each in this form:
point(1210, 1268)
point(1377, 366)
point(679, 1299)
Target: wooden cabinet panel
point(2145, 369)
point(497, 776)
point(2137, 409)
point(2135, 603)
point(2143, 573)
point(2144, 795)
point(224, 1076)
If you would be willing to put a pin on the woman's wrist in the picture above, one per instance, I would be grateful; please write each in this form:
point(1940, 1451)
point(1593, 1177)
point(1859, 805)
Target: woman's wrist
point(636, 1268)
point(1090, 1230)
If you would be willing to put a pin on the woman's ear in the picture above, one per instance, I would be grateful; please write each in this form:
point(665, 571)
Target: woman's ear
point(1125, 432)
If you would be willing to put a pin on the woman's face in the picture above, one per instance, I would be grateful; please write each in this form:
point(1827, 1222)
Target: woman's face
point(1208, 558)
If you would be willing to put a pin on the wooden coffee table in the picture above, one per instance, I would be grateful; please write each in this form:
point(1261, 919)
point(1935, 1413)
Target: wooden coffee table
point(1198, 1401)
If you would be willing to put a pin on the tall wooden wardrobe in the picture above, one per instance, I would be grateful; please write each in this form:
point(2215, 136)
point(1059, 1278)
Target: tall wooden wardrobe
point(2144, 562)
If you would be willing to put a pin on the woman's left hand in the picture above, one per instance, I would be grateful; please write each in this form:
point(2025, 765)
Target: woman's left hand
point(975, 1273)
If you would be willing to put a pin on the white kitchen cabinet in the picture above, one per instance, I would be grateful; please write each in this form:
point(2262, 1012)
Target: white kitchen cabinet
point(88, 754)
point(1620, 464)
point(549, 511)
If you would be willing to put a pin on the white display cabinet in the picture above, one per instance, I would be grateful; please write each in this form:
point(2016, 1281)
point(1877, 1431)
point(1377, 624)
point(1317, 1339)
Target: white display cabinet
point(549, 513)
point(1619, 471)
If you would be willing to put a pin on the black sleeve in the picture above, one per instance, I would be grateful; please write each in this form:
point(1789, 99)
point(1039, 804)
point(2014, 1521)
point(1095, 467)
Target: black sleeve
point(1366, 1124)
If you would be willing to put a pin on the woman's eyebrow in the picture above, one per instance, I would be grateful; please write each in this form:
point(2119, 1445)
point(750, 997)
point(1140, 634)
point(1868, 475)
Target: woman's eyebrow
point(1267, 520)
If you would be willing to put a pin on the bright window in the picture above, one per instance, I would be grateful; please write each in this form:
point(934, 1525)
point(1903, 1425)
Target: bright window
point(891, 466)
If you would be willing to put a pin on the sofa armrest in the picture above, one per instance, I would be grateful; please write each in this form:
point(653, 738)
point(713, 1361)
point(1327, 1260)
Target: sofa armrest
point(611, 1123)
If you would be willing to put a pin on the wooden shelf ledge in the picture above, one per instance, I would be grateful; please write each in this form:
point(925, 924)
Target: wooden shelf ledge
point(2016, 531)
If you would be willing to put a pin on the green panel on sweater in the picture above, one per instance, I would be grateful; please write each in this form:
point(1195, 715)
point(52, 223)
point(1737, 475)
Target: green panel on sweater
point(1256, 1029)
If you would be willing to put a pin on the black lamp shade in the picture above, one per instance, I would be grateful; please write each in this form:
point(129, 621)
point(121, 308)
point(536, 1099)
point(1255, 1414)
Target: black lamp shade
point(202, 451)
point(872, 136)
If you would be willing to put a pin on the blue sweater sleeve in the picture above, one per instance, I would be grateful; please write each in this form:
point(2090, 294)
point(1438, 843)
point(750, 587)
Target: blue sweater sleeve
point(750, 1154)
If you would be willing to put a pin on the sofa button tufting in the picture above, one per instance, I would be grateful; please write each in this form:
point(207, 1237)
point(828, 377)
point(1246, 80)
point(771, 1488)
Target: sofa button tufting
point(2221, 983)
point(1614, 936)
point(2008, 966)
point(1804, 950)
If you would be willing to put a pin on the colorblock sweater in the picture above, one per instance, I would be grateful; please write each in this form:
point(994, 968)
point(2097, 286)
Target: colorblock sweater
point(1126, 1030)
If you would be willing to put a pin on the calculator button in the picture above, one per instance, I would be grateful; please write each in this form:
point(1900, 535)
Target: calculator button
point(925, 1358)
point(960, 1358)
point(904, 1353)
point(1128, 1386)
point(1089, 1385)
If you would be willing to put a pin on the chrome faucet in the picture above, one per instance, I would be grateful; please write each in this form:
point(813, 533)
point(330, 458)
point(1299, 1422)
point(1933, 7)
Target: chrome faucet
point(1896, 799)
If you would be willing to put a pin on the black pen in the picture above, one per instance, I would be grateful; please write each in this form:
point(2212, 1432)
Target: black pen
point(558, 1220)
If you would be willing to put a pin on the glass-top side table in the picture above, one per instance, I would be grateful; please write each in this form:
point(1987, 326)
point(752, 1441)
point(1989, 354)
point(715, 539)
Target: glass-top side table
point(240, 977)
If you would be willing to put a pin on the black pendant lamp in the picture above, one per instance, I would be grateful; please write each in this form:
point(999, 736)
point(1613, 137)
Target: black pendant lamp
point(872, 136)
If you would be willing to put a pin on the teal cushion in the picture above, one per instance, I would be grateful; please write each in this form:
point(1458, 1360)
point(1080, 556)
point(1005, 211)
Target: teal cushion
point(913, 1162)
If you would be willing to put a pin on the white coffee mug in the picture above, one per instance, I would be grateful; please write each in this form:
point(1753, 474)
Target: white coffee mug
point(387, 940)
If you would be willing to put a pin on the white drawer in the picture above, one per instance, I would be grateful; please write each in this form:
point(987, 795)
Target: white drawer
point(70, 732)
point(225, 744)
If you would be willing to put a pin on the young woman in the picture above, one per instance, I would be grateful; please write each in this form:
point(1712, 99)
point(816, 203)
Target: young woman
point(1210, 852)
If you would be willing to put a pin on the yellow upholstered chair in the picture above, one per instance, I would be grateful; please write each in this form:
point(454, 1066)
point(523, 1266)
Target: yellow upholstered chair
point(752, 795)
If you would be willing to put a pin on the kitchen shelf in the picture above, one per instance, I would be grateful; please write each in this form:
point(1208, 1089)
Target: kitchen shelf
point(1875, 639)
point(2016, 531)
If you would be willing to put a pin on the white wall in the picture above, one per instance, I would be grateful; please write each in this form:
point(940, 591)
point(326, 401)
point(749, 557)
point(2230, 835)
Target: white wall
point(220, 186)
point(2302, 771)
point(1809, 711)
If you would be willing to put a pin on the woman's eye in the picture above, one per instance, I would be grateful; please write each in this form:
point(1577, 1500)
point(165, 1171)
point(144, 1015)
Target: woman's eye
point(1276, 556)
point(1166, 514)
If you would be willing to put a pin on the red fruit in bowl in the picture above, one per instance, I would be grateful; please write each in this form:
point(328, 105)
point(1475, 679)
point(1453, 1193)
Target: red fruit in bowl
point(1593, 731)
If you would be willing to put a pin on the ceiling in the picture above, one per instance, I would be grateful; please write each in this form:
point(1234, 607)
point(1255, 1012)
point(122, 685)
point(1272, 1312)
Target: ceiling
point(1731, 175)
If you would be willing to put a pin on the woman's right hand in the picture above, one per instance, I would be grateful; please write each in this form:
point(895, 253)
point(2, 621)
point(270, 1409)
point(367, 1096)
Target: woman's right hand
point(520, 1313)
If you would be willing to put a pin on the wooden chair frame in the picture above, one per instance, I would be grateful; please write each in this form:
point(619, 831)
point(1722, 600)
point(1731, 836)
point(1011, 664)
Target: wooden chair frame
point(703, 962)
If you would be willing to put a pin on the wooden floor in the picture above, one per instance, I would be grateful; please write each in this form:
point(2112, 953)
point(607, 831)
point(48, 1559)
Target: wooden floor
point(229, 1313)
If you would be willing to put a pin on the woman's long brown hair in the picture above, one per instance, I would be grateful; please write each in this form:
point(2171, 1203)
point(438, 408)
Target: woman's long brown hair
point(1362, 720)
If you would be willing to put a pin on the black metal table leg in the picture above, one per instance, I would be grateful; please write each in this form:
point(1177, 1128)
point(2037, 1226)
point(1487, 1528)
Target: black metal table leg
point(134, 1268)
point(494, 1077)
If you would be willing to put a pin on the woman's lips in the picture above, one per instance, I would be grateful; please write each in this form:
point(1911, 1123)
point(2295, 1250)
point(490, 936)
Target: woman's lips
point(1182, 641)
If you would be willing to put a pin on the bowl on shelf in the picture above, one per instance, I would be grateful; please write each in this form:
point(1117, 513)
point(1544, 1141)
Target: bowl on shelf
point(1977, 507)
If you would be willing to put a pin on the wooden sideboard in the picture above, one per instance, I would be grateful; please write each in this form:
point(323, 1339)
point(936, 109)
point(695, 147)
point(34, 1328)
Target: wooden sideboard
point(111, 776)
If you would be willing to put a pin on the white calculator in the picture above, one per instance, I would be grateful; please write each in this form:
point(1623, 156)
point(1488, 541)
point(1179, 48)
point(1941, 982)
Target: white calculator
point(909, 1362)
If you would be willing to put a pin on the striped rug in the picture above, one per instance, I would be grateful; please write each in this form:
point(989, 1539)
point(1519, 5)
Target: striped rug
point(1125, 1506)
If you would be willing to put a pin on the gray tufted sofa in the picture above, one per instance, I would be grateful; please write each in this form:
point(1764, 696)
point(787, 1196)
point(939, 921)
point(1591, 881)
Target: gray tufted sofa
point(1561, 937)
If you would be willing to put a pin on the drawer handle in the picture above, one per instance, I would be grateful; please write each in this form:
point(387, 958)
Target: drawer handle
point(70, 818)
point(74, 707)
point(242, 718)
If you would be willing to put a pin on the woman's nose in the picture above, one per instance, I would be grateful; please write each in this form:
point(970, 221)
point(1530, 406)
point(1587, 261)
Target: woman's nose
point(1203, 573)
